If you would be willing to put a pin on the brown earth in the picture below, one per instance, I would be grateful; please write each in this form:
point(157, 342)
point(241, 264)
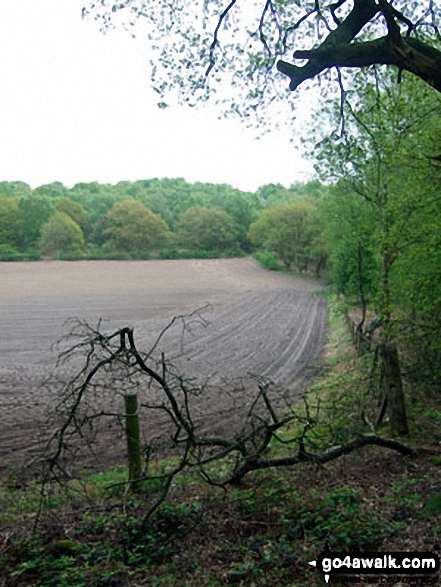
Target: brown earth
point(259, 322)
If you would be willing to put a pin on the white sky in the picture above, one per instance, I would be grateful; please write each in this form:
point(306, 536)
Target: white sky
point(76, 105)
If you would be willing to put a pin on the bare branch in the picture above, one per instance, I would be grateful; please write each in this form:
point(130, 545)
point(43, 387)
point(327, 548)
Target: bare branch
point(327, 456)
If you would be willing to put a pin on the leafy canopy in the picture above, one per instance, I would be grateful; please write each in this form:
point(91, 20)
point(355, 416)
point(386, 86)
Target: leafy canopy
point(288, 230)
point(34, 212)
point(74, 210)
point(206, 229)
point(207, 47)
point(61, 235)
point(9, 221)
point(131, 226)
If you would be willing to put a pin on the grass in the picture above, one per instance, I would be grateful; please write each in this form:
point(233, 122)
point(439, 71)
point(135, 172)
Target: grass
point(337, 402)
point(262, 532)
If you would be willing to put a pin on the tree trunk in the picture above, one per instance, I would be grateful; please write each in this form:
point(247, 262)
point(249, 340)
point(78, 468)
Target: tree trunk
point(393, 389)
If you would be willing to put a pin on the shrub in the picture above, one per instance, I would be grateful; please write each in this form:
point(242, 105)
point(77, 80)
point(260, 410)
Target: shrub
point(268, 260)
point(8, 253)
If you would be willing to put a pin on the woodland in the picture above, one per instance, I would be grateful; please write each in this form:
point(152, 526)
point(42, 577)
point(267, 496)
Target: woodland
point(356, 463)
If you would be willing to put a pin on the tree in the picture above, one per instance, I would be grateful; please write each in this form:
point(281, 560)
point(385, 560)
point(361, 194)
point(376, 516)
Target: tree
point(61, 236)
point(410, 52)
point(242, 207)
point(35, 211)
point(288, 230)
point(52, 190)
point(96, 199)
point(151, 385)
point(132, 227)
point(9, 221)
point(148, 194)
point(75, 211)
point(350, 237)
point(206, 229)
point(383, 163)
point(14, 188)
point(206, 39)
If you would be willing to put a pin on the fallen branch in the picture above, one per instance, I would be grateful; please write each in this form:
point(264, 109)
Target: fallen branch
point(325, 457)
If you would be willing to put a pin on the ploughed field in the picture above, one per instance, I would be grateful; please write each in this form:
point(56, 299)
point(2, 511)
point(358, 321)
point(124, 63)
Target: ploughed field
point(256, 323)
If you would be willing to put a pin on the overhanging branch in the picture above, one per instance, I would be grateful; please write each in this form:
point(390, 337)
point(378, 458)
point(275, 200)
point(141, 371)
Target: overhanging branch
point(340, 50)
point(362, 12)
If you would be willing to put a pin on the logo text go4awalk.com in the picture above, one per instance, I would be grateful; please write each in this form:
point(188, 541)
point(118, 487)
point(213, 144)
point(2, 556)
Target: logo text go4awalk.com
point(376, 563)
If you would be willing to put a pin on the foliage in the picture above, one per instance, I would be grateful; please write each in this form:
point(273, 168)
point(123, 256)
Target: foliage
point(14, 188)
point(175, 253)
point(35, 211)
point(349, 237)
point(274, 194)
point(24, 211)
point(207, 229)
point(340, 518)
point(52, 190)
point(242, 207)
point(131, 226)
point(61, 235)
point(75, 211)
point(258, 534)
point(267, 260)
point(384, 215)
point(8, 253)
point(200, 47)
point(9, 221)
point(289, 231)
point(95, 198)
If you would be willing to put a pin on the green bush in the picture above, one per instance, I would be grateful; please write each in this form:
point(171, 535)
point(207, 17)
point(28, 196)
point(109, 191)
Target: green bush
point(141, 256)
point(268, 260)
point(31, 255)
point(234, 252)
point(74, 256)
point(115, 256)
point(8, 253)
point(188, 254)
point(169, 254)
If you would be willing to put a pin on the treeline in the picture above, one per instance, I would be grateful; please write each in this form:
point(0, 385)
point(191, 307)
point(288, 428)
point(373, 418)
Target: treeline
point(165, 218)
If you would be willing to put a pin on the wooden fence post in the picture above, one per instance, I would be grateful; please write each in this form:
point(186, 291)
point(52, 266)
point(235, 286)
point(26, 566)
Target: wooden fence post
point(133, 441)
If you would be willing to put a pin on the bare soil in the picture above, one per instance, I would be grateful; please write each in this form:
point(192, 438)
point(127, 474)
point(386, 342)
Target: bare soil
point(258, 323)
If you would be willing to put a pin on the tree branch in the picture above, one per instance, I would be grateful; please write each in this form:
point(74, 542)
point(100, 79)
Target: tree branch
point(215, 41)
point(337, 50)
point(362, 12)
point(325, 457)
